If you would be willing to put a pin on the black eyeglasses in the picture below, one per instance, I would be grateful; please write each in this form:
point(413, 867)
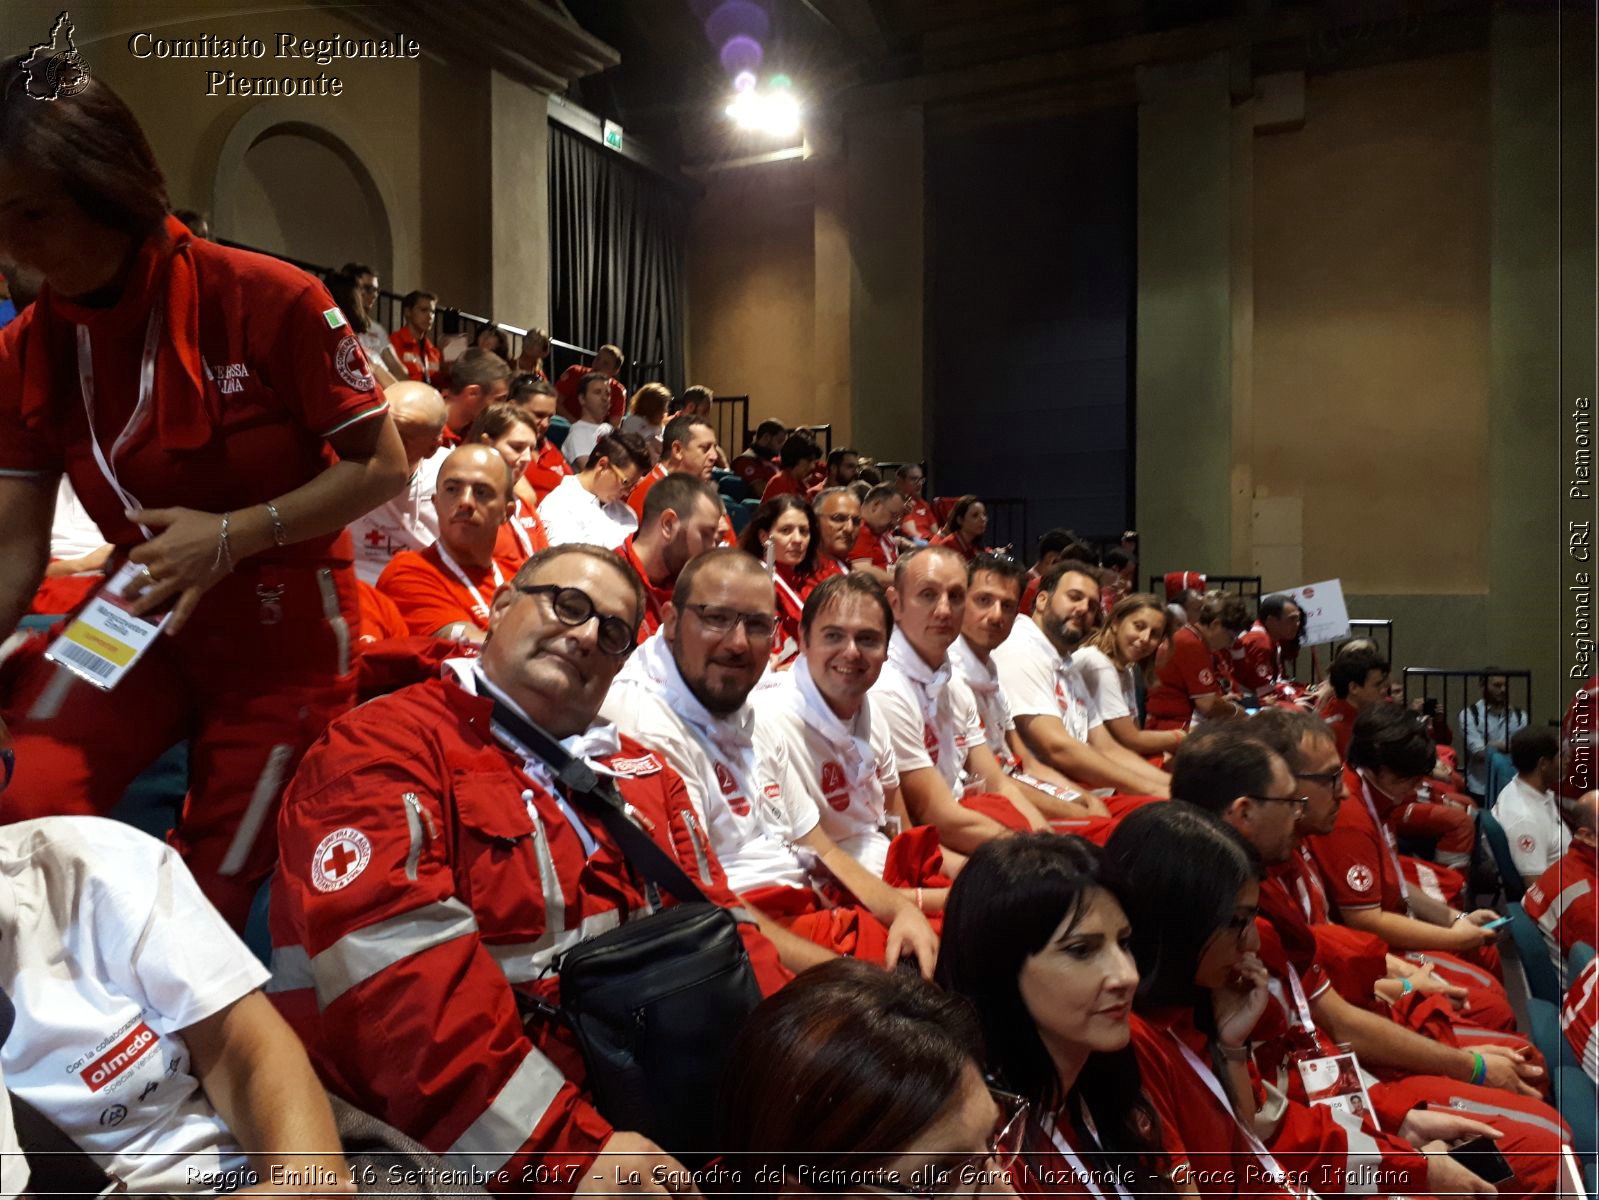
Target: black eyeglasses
point(573, 607)
point(722, 621)
point(1300, 803)
point(1327, 779)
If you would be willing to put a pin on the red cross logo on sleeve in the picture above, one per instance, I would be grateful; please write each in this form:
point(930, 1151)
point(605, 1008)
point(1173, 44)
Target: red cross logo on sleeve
point(339, 858)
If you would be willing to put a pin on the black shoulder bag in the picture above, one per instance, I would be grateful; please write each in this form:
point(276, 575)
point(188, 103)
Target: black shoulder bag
point(654, 1003)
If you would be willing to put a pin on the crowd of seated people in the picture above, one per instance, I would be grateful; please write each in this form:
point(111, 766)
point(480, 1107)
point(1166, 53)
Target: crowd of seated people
point(1019, 880)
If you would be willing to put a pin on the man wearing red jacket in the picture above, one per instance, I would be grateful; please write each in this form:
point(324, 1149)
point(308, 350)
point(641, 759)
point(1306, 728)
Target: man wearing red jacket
point(431, 874)
point(677, 524)
point(1565, 899)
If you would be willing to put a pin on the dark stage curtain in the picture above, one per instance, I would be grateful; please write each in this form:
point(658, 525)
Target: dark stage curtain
point(616, 262)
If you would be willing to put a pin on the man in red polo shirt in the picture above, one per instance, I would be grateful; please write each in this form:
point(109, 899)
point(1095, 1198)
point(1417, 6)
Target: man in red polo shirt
point(478, 379)
point(678, 524)
point(1257, 657)
point(838, 517)
point(919, 523)
point(1359, 679)
point(447, 590)
point(876, 549)
point(416, 350)
point(1565, 899)
point(1052, 547)
point(549, 466)
point(798, 459)
point(607, 362)
point(688, 447)
point(758, 463)
point(1389, 755)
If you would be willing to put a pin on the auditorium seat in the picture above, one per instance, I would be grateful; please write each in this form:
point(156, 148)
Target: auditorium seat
point(731, 486)
point(741, 512)
point(1581, 955)
point(1491, 831)
point(556, 433)
point(1543, 978)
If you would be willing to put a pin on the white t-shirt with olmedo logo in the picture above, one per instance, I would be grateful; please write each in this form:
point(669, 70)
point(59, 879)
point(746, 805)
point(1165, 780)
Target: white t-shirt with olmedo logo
point(109, 949)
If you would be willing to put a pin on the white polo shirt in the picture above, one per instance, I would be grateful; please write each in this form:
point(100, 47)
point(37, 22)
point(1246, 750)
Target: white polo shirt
point(572, 513)
point(1531, 819)
point(1112, 693)
point(752, 820)
point(931, 717)
point(982, 679)
point(1039, 682)
point(842, 770)
point(108, 950)
point(580, 440)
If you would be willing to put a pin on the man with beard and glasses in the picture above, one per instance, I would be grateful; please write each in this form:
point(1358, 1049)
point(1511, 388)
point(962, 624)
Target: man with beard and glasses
point(994, 587)
point(445, 590)
point(948, 776)
point(679, 523)
point(1058, 723)
point(433, 872)
point(685, 694)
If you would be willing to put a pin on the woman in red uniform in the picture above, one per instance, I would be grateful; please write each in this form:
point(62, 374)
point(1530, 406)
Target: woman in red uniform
point(510, 431)
point(783, 534)
point(1040, 946)
point(215, 414)
point(963, 532)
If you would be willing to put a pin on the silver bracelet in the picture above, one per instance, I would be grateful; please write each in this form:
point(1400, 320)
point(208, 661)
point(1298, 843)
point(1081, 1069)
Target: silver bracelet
point(224, 558)
point(280, 535)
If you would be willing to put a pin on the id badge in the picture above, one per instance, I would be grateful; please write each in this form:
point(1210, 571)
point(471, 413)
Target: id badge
point(1333, 1081)
point(105, 639)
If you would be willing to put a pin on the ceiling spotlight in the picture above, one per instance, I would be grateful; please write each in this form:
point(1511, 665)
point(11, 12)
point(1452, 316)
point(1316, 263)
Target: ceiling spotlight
point(775, 113)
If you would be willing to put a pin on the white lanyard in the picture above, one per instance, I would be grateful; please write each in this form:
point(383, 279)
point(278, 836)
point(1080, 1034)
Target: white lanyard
point(152, 334)
point(890, 550)
point(1386, 836)
point(783, 586)
point(519, 531)
point(480, 609)
point(1303, 881)
point(1273, 1171)
point(1075, 1163)
point(1307, 1022)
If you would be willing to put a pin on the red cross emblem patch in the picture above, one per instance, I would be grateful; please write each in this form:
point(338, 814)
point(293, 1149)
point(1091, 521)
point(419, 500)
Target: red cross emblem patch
point(1360, 877)
point(339, 858)
point(835, 789)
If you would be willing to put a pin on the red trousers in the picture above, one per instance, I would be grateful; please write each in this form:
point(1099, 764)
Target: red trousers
point(253, 679)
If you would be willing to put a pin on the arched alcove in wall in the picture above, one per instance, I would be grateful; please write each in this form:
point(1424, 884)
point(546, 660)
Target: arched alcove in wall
point(308, 190)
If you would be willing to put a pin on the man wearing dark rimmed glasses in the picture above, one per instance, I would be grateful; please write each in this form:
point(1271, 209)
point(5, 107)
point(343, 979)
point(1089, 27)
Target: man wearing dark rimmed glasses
point(431, 870)
point(686, 694)
point(1287, 760)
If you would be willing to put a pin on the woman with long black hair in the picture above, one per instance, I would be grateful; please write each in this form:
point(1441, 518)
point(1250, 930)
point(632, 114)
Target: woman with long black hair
point(1035, 938)
point(216, 416)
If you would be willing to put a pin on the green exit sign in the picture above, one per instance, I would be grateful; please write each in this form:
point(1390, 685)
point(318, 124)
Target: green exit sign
point(613, 135)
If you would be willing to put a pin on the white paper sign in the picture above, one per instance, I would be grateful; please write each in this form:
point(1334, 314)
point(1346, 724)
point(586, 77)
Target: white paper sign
point(1326, 617)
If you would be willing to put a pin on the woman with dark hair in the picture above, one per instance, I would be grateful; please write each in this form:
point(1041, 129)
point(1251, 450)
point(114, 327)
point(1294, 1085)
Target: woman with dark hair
point(1037, 941)
point(963, 531)
point(784, 534)
point(1190, 886)
point(853, 1079)
point(1111, 659)
point(509, 429)
point(216, 416)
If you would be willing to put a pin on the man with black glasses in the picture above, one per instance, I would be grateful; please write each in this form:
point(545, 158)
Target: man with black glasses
point(432, 872)
point(685, 694)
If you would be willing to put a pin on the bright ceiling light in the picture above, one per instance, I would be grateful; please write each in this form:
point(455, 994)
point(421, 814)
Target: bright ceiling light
point(775, 113)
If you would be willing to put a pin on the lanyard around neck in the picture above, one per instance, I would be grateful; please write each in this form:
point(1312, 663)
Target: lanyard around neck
point(479, 608)
point(102, 459)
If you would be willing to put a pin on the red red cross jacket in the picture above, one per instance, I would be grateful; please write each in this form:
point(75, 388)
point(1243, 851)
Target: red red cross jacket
point(425, 878)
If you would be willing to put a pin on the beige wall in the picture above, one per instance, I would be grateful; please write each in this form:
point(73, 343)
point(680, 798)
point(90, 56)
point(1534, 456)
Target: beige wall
point(1371, 322)
point(751, 271)
point(418, 128)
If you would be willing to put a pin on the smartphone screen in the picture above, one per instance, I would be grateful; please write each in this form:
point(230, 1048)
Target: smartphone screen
point(1482, 1158)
